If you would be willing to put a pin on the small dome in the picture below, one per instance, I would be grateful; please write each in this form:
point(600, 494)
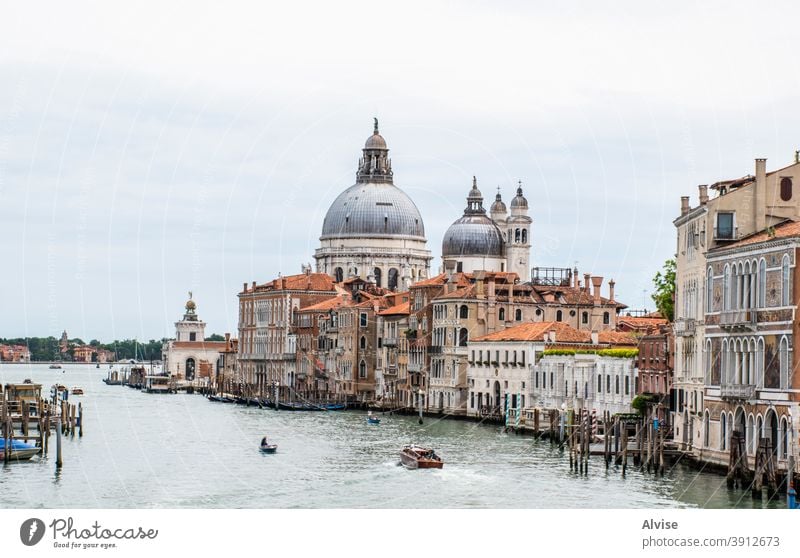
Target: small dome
point(498, 206)
point(519, 200)
point(375, 141)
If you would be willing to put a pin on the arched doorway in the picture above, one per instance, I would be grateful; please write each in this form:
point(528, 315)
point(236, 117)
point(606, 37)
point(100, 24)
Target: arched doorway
point(497, 394)
point(190, 369)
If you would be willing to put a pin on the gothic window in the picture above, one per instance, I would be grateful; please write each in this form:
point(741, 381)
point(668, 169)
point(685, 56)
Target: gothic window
point(585, 317)
point(338, 275)
point(726, 288)
point(559, 316)
point(784, 362)
point(392, 285)
point(362, 369)
point(786, 189)
point(363, 343)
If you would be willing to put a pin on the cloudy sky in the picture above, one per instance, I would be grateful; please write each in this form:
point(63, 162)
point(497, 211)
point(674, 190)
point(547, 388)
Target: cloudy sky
point(150, 149)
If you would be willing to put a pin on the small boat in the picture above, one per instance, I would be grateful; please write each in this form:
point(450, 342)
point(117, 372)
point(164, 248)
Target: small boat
point(334, 407)
point(55, 366)
point(20, 451)
point(266, 447)
point(417, 457)
point(76, 390)
point(299, 407)
point(372, 419)
point(222, 399)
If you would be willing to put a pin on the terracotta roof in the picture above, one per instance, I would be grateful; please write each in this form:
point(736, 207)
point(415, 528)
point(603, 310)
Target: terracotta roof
point(433, 281)
point(535, 331)
point(616, 338)
point(205, 345)
point(300, 282)
point(404, 308)
point(640, 322)
point(327, 304)
point(784, 230)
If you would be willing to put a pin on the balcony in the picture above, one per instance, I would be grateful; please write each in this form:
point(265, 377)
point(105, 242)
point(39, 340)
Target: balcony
point(738, 319)
point(391, 370)
point(288, 356)
point(685, 327)
point(726, 234)
point(435, 350)
point(738, 391)
point(390, 341)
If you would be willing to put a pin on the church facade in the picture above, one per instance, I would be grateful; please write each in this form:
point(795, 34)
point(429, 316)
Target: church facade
point(189, 356)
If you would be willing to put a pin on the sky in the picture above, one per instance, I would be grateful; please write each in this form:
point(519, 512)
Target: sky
point(149, 149)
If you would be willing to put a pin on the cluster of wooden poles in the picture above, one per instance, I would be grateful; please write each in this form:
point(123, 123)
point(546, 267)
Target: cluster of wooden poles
point(33, 422)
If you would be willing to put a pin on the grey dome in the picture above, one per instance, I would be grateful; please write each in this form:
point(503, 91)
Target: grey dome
point(373, 210)
point(473, 235)
point(498, 206)
point(519, 200)
point(375, 141)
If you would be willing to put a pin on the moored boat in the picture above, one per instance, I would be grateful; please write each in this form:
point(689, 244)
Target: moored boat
point(76, 390)
point(54, 366)
point(299, 407)
point(417, 457)
point(19, 451)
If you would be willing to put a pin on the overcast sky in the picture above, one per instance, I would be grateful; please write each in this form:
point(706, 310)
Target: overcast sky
point(147, 150)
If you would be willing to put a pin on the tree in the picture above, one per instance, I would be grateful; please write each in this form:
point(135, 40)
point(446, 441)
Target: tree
point(215, 337)
point(664, 297)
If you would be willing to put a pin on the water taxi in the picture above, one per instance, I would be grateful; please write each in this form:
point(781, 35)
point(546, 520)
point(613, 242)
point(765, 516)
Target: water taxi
point(76, 390)
point(417, 457)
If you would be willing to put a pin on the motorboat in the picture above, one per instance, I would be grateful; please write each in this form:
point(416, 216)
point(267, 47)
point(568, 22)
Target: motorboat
point(417, 457)
point(55, 366)
point(76, 390)
point(19, 451)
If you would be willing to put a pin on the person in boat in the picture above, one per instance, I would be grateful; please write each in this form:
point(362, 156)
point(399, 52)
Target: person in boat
point(264, 442)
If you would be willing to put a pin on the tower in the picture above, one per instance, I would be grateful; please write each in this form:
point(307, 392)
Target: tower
point(518, 237)
point(190, 328)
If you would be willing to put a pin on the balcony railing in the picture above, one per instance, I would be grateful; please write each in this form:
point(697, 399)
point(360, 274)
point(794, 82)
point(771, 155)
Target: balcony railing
point(738, 318)
point(685, 327)
point(390, 341)
point(738, 391)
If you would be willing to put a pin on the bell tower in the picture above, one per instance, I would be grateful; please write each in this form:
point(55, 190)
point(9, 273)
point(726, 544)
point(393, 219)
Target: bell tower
point(518, 237)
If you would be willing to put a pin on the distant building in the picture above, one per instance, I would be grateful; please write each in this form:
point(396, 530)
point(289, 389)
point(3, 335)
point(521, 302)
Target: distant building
point(14, 353)
point(189, 356)
point(656, 364)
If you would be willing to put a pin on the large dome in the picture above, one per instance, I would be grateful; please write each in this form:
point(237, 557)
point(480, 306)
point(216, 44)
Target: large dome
point(373, 210)
point(473, 235)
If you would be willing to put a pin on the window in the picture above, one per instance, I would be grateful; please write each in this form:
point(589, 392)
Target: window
point(709, 290)
point(585, 318)
point(363, 320)
point(501, 314)
point(725, 228)
point(785, 281)
point(518, 315)
point(392, 285)
point(377, 273)
point(606, 318)
point(627, 385)
point(784, 362)
point(524, 236)
point(463, 337)
point(192, 336)
point(459, 267)
point(762, 284)
point(362, 369)
point(786, 189)
point(363, 343)
point(723, 431)
point(599, 383)
point(463, 312)
point(338, 275)
point(616, 385)
point(559, 316)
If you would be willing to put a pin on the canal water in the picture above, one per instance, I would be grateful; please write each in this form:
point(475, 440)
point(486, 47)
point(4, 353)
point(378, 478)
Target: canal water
point(182, 451)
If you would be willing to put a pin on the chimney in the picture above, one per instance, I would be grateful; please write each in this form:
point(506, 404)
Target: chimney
point(254, 285)
point(244, 287)
point(597, 282)
point(227, 341)
point(760, 205)
point(595, 338)
point(611, 284)
point(703, 189)
point(576, 282)
point(684, 205)
point(586, 287)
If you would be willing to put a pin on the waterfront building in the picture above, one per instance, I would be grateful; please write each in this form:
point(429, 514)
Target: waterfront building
point(373, 230)
point(189, 356)
point(642, 325)
point(267, 357)
point(227, 378)
point(14, 353)
point(740, 208)
point(391, 370)
point(655, 364)
point(754, 292)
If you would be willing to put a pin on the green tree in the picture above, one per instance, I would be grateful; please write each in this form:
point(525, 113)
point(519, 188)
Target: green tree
point(215, 337)
point(664, 297)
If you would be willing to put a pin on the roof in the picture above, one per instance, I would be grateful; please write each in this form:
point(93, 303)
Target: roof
point(328, 304)
point(535, 331)
point(403, 308)
point(640, 322)
point(205, 345)
point(787, 229)
point(616, 338)
point(299, 282)
point(440, 279)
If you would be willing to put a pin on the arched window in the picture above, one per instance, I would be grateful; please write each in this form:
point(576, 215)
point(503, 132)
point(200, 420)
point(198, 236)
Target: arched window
point(784, 362)
point(706, 429)
point(750, 435)
point(606, 318)
point(392, 285)
point(559, 316)
point(463, 312)
point(516, 235)
point(363, 343)
point(518, 315)
point(786, 189)
point(501, 314)
point(783, 440)
point(762, 283)
point(524, 236)
point(709, 290)
point(785, 281)
point(362, 369)
point(463, 337)
point(338, 275)
point(377, 273)
point(726, 288)
point(585, 318)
